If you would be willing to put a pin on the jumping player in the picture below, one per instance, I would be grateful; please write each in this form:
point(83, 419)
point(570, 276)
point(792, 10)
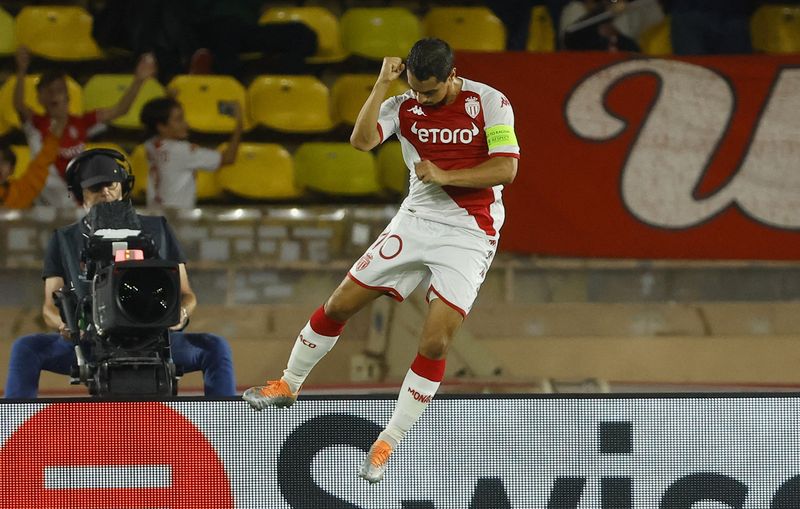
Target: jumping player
point(458, 141)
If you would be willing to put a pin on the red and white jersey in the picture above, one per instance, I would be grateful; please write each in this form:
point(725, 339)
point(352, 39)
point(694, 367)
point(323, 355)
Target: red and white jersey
point(173, 163)
point(453, 136)
point(73, 141)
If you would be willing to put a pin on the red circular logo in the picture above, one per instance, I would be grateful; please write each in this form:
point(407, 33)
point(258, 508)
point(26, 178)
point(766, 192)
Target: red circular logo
point(111, 455)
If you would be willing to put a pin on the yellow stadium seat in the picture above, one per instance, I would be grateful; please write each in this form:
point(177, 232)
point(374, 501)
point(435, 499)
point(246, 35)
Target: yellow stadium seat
point(655, 40)
point(336, 169)
point(105, 90)
point(207, 185)
point(393, 171)
point(349, 92)
point(200, 96)
point(776, 29)
point(377, 32)
point(9, 114)
point(541, 34)
point(7, 42)
point(57, 32)
point(140, 167)
point(261, 171)
point(319, 19)
point(466, 28)
point(23, 154)
point(294, 104)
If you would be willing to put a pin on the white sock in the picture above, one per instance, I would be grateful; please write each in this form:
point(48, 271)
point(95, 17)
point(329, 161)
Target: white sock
point(308, 349)
point(415, 395)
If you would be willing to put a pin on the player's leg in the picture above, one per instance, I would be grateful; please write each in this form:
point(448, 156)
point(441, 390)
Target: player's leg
point(419, 386)
point(315, 340)
point(30, 355)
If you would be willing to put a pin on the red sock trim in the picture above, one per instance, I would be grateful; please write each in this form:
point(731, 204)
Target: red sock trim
point(431, 369)
point(325, 326)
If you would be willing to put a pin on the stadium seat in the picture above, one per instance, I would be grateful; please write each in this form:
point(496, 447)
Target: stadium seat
point(207, 185)
point(377, 32)
point(140, 167)
point(349, 92)
point(104, 90)
point(57, 32)
point(200, 96)
point(776, 29)
point(466, 28)
point(23, 154)
point(294, 104)
point(655, 40)
point(9, 114)
point(394, 173)
point(261, 171)
point(7, 43)
point(541, 34)
point(336, 169)
point(322, 21)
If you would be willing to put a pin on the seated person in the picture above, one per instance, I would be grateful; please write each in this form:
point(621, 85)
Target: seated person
point(102, 178)
point(20, 192)
point(173, 159)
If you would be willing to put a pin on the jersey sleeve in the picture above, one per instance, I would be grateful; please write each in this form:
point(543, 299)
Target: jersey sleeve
point(388, 117)
point(199, 158)
point(499, 125)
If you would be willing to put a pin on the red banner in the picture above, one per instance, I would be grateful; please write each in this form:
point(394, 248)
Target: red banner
point(695, 158)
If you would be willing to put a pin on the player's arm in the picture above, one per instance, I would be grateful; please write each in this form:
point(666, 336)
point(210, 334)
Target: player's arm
point(23, 58)
point(496, 171)
point(365, 134)
point(145, 69)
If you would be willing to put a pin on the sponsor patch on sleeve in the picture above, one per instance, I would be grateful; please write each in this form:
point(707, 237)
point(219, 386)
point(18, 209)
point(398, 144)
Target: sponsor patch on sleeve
point(500, 136)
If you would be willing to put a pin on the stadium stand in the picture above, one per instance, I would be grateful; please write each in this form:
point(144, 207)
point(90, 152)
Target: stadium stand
point(293, 104)
point(261, 171)
point(141, 169)
point(57, 32)
point(541, 32)
point(104, 90)
point(392, 168)
point(349, 92)
point(322, 21)
point(776, 28)
point(208, 186)
point(23, 154)
point(7, 28)
point(459, 26)
point(336, 169)
point(201, 96)
point(655, 40)
point(375, 32)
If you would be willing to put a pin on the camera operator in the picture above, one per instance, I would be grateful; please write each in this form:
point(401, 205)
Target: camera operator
point(102, 177)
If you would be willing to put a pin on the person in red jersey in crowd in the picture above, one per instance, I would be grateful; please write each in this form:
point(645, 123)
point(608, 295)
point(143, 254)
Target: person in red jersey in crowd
point(52, 94)
point(458, 142)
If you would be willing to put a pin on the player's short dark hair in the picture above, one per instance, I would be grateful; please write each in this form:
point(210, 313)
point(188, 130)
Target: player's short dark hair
point(49, 76)
point(430, 57)
point(6, 154)
point(155, 112)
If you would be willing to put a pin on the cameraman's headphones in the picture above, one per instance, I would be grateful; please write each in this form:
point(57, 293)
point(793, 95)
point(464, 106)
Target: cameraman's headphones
point(73, 171)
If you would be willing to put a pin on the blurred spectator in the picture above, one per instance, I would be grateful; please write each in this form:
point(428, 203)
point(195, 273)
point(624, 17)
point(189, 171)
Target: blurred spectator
point(52, 94)
point(710, 27)
point(19, 193)
point(211, 30)
point(173, 159)
point(516, 16)
point(616, 27)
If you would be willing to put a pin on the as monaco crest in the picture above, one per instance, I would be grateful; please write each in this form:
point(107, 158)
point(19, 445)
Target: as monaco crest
point(363, 262)
point(472, 106)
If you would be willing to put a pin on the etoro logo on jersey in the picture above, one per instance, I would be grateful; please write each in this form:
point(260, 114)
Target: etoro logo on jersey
point(444, 135)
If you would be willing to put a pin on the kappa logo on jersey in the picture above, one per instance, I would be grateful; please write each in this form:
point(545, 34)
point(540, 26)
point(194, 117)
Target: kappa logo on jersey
point(472, 106)
point(437, 135)
point(416, 110)
point(504, 102)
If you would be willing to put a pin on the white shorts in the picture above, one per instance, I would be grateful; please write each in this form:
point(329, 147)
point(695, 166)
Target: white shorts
point(452, 261)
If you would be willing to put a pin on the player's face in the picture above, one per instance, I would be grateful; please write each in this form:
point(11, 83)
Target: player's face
point(430, 92)
point(105, 192)
point(176, 126)
point(55, 98)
